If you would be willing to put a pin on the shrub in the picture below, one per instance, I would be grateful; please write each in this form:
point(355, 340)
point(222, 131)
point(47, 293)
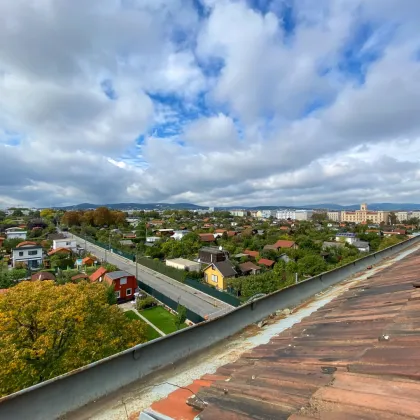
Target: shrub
point(147, 302)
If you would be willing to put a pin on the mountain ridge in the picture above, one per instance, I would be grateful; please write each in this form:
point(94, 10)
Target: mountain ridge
point(191, 206)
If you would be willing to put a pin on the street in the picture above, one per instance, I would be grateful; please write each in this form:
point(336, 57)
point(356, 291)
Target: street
point(195, 300)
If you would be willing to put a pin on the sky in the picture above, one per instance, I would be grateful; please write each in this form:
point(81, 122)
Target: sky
point(214, 102)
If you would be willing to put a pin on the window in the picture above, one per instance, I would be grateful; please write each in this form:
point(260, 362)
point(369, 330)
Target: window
point(123, 280)
point(128, 292)
point(20, 253)
point(68, 243)
point(117, 294)
point(32, 252)
point(214, 278)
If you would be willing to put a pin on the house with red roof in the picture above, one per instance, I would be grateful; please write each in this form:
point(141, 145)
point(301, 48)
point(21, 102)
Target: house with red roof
point(98, 275)
point(281, 244)
point(252, 254)
point(266, 262)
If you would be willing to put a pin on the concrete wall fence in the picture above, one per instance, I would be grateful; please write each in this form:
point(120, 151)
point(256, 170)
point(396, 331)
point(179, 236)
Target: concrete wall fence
point(55, 397)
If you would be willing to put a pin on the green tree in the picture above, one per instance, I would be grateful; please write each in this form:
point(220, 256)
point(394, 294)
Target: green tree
point(181, 316)
point(393, 218)
point(9, 244)
point(311, 265)
point(47, 330)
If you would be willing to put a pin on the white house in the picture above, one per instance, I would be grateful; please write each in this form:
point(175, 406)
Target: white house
point(179, 234)
point(15, 233)
point(67, 243)
point(349, 237)
point(362, 246)
point(183, 264)
point(31, 255)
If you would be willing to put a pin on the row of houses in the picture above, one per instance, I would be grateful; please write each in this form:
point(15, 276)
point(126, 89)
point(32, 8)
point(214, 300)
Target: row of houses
point(285, 214)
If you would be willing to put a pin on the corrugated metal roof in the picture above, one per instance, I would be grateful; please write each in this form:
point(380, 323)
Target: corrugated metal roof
point(118, 274)
point(356, 358)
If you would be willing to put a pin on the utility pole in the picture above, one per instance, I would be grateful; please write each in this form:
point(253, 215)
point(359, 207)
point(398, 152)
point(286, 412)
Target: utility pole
point(296, 278)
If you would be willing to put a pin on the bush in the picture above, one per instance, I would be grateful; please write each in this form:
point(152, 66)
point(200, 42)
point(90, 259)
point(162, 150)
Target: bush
point(148, 302)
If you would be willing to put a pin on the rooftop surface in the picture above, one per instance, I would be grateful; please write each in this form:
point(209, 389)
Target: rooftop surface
point(356, 357)
point(349, 353)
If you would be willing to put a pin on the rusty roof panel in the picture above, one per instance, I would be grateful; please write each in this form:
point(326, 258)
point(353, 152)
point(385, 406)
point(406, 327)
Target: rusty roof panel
point(358, 357)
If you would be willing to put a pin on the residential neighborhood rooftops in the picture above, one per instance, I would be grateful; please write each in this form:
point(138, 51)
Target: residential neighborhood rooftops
point(282, 243)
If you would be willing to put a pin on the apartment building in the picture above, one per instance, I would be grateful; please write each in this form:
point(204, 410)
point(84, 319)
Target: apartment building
point(294, 214)
point(334, 216)
point(363, 215)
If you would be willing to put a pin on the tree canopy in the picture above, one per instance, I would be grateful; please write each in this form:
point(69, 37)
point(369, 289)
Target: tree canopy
point(47, 330)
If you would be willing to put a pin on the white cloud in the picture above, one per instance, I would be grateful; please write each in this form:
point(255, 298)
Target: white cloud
point(248, 113)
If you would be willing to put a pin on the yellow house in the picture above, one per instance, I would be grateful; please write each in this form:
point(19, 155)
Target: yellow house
point(217, 273)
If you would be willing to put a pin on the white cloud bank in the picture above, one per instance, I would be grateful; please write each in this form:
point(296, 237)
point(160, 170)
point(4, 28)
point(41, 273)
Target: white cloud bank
point(257, 111)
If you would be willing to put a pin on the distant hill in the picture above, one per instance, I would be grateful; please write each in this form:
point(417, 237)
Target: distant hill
point(135, 206)
point(190, 206)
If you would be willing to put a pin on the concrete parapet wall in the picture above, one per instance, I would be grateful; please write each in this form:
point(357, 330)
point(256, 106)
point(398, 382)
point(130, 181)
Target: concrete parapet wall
point(63, 394)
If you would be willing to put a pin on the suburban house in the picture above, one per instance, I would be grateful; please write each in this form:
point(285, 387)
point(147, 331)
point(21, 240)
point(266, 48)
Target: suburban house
point(285, 258)
point(179, 234)
point(88, 261)
point(327, 244)
point(266, 263)
point(98, 275)
point(252, 254)
point(65, 243)
point(206, 237)
point(281, 244)
point(28, 254)
point(79, 277)
point(348, 237)
point(184, 264)
point(16, 233)
point(209, 254)
point(249, 267)
point(362, 246)
point(218, 272)
point(59, 251)
point(125, 284)
point(42, 275)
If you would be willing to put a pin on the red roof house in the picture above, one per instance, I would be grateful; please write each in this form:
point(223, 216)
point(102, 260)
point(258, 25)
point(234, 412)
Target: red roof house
point(206, 237)
point(253, 254)
point(98, 274)
point(125, 284)
point(266, 262)
point(59, 251)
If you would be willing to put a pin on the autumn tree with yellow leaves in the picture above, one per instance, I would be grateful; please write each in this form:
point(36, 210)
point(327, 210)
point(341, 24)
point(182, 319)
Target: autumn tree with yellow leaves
point(47, 330)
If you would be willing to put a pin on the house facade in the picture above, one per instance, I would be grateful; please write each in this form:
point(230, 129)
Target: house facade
point(125, 284)
point(67, 243)
point(217, 274)
point(16, 233)
point(363, 215)
point(30, 255)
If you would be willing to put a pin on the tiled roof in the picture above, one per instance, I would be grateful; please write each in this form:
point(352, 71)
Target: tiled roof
point(226, 268)
point(98, 273)
point(355, 358)
point(284, 244)
point(266, 262)
point(43, 275)
point(248, 266)
point(206, 237)
point(58, 250)
point(252, 253)
point(26, 243)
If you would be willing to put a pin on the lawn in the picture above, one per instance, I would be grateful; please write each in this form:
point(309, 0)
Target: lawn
point(163, 319)
point(150, 332)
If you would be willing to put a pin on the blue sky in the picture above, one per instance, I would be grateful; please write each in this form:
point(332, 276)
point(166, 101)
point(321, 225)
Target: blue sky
point(219, 102)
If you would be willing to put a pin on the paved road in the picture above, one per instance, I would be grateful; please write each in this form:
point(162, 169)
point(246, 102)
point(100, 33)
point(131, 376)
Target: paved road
point(196, 301)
